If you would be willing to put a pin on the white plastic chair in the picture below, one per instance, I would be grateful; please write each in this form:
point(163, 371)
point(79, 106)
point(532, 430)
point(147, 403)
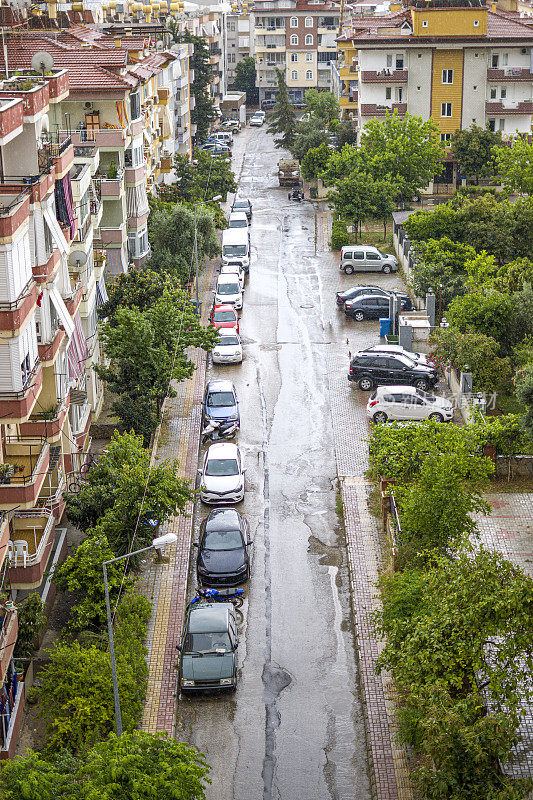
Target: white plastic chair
point(21, 549)
point(10, 552)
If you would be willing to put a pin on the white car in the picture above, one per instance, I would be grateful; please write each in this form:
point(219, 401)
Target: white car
point(257, 119)
point(222, 480)
point(234, 269)
point(395, 349)
point(228, 290)
point(228, 349)
point(389, 403)
point(238, 219)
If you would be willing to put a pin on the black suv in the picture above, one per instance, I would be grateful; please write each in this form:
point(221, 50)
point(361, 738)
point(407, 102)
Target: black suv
point(377, 369)
point(372, 307)
point(359, 291)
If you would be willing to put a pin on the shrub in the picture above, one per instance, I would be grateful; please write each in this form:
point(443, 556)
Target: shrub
point(339, 235)
point(31, 620)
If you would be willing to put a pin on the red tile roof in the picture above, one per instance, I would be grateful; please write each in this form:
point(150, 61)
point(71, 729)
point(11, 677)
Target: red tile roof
point(499, 26)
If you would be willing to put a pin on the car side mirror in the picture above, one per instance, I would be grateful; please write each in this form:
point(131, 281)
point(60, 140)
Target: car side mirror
point(235, 646)
point(199, 472)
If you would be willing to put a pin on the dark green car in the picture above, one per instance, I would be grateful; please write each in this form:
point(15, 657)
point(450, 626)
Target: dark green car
point(208, 651)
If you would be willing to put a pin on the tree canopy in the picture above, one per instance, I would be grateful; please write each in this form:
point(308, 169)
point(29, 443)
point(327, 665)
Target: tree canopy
point(245, 78)
point(282, 119)
point(515, 166)
point(204, 177)
point(475, 151)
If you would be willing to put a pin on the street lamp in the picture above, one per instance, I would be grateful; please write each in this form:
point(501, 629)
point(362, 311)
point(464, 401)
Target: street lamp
point(159, 543)
point(202, 203)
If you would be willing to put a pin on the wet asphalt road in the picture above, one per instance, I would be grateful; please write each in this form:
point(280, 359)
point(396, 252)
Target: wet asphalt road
point(294, 729)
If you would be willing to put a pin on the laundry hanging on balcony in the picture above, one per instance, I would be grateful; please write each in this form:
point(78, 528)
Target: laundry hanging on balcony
point(57, 234)
point(115, 263)
point(65, 203)
point(101, 292)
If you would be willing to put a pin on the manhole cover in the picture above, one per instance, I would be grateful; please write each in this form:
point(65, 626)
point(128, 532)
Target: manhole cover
point(270, 347)
point(307, 305)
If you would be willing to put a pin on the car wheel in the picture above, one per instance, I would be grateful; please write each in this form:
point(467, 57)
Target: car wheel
point(380, 417)
point(386, 269)
point(436, 416)
point(422, 384)
point(359, 316)
point(365, 384)
point(348, 270)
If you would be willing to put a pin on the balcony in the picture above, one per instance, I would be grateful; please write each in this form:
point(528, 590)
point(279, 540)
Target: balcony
point(13, 315)
point(52, 497)
point(372, 110)
point(32, 90)
point(349, 102)
point(14, 208)
point(73, 300)
point(111, 187)
point(96, 211)
point(509, 107)
point(9, 626)
point(513, 74)
point(34, 533)
point(58, 85)
point(163, 96)
point(101, 137)
point(16, 406)
point(47, 424)
point(134, 175)
point(11, 119)
point(113, 235)
point(24, 471)
point(48, 352)
point(43, 272)
point(384, 76)
point(166, 164)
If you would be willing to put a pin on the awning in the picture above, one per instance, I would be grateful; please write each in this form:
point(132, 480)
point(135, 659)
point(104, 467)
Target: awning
point(77, 351)
point(62, 311)
point(116, 264)
point(55, 230)
point(101, 293)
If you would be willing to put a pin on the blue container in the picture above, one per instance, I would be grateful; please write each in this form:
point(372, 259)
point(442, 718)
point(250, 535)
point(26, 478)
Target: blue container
point(384, 326)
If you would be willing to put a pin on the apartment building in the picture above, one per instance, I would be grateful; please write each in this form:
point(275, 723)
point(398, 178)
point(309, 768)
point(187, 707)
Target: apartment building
point(459, 64)
point(297, 37)
point(48, 297)
point(237, 39)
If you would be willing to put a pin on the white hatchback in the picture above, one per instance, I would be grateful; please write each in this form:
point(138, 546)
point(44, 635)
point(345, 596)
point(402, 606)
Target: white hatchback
point(234, 269)
point(389, 403)
point(228, 349)
point(228, 291)
point(222, 475)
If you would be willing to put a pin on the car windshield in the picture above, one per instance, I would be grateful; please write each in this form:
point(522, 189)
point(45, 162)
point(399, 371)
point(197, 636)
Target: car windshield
point(429, 398)
point(222, 467)
point(238, 223)
point(408, 362)
point(228, 340)
point(228, 288)
point(383, 255)
point(240, 204)
point(222, 540)
point(220, 399)
point(217, 642)
point(234, 249)
point(224, 316)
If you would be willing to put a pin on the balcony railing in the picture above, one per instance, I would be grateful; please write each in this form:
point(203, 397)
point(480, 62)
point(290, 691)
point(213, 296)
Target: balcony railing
point(25, 455)
point(384, 76)
point(34, 528)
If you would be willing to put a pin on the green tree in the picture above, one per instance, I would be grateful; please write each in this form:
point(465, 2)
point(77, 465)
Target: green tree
point(524, 393)
point(406, 150)
point(31, 623)
point(475, 150)
point(342, 163)
point(245, 77)
point(205, 176)
point(441, 263)
point(345, 134)
point(353, 198)
point(383, 201)
point(315, 161)
point(122, 484)
point(34, 777)
point(144, 765)
point(203, 112)
point(489, 312)
point(324, 106)
point(307, 135)
point(480, 353)
point(515, 165)
point(139, 288)
point(282, 120)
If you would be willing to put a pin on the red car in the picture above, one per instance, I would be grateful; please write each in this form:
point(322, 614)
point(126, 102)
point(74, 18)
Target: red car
point(224, 317)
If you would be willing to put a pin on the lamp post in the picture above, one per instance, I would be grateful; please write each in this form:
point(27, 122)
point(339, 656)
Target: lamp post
point(158, 543)
point(202, 203)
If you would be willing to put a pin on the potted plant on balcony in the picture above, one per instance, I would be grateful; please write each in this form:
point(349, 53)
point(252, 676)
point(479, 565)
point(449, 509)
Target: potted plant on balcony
point(48, 413)
point(112, 171)
point(6, 603)
point(17, 468)
point(6, 470)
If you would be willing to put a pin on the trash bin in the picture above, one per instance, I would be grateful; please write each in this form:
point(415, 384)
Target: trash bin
point(384, 326)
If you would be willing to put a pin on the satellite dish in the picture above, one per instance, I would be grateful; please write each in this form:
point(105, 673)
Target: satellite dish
point(77, 258)
point(42, 61)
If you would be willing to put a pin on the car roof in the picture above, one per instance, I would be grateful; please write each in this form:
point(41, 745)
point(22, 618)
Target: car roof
point(241, 200)
point(223, 450)
point(362, 297)
point(209, 617)
point(224, 307)
point(387, 348)
point(220, 385)
point(228, 277)
point(400, 388)
point(359, 247)
point(224, 333)
point(238, 215)
point(223, 519)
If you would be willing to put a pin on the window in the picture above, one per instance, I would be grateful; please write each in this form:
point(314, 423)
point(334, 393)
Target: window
point(294, 39)
point(495, 60)
point(135, 106)
point(294, 75)
point(309, 22)
point(388, 92)
point(476, 23)
point(424, 23)
point(309, 75)
point(308, 56)
point(445, 109)
point(370, 256)
point(503, 93)
point(294, 22)
point(389, 60)
point(492, 124)
point(501, 124)
point(294, 56)
point(309, 38)
point(447, 75)
point(493, 91)
point(505, 59)
point(399, 61)
point(445, 137)
point(419, 55)
point(232, 28)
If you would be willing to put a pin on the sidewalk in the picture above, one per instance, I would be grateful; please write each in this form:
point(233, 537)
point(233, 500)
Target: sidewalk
point(165, 585)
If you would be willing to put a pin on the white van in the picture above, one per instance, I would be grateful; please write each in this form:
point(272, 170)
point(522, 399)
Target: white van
point(236, 247)
point(228, 291)
point(224, 137)
point(363, 258)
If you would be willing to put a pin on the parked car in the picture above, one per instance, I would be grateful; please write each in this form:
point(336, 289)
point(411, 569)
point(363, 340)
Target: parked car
point(406, 402)
point(370, 307)
point(224, 317)
point(257, 119)
point(396, 349)
point(362, 258)
point(234, 269)
point(357, 291)
point(377, 369)
point(216, 149)
point(232, 125)
point(238, 219)
point(224, 137)
point(228, 290)
point(208, 658)
point(220, 402)
point(222, 475)
point(266, 104)
point(223, 559)
point(228, 349)
point(242, 205)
